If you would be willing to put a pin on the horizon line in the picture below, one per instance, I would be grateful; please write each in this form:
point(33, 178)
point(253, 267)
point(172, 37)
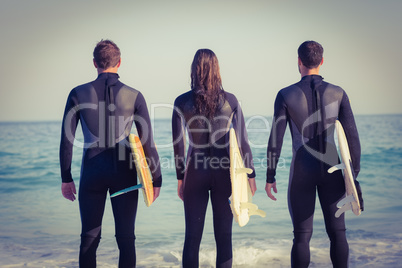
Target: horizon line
point(162, 118)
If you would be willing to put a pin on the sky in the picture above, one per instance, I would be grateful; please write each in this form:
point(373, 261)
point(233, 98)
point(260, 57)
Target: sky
point(46, 50)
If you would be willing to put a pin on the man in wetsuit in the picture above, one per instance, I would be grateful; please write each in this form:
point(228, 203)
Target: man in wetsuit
point(107, 109)
point(311, 107)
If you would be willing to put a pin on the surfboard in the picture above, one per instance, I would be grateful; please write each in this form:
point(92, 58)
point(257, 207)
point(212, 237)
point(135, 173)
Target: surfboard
point(351, 199)
point(143, 172)
point(241, 198)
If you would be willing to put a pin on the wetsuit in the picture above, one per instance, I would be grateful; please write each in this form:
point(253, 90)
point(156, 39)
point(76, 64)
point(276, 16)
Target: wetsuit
point(311, 107)
point(107, 109)
point(206, 170)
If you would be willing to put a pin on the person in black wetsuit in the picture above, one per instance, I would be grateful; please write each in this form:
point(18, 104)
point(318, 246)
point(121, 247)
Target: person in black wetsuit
point(106, 109)
point(311, 107)
point(207, 112)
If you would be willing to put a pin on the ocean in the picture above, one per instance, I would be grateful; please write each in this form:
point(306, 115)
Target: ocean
point(39, 228)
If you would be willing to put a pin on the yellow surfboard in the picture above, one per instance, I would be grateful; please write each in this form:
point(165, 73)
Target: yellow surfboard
point(241, 198)
point(143, 172)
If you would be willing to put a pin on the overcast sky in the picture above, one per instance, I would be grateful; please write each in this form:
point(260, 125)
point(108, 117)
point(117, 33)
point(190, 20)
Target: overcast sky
point(46, 50)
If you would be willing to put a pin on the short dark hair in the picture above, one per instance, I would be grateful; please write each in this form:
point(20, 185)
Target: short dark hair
point(310, 54)
point(106, 54)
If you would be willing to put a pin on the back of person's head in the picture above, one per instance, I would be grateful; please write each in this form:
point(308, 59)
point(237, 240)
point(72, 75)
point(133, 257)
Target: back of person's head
point(106, 54)
point(310, 54)
point(206, 82)
point(205, 71)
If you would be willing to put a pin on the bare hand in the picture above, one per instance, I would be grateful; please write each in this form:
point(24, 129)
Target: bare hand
point(68, 190)
point(253, 187)
point(157, 190)
point(180, 189)
point(268, 188)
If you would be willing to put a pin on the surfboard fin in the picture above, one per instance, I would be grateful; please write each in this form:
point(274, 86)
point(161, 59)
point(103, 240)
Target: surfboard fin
point(249, 206)
point(347, 203)
point(346, 207)
point(337, 167)
point(347, 199)
point(244, 170)
point(257, 212)
point(126, 190)
point(253, 209)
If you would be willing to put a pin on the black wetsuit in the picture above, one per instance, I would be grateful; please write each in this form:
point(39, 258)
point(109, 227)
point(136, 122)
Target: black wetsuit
point(311, 107)
point(206, 169)
point(107, 109)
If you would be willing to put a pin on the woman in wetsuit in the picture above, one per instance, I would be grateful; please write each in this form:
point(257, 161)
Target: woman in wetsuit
point(310, 107)
point(207, 112)
point(106, 109)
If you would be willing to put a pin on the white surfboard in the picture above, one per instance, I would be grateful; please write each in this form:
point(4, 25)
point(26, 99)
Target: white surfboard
point(241, 198)
point(351, 199)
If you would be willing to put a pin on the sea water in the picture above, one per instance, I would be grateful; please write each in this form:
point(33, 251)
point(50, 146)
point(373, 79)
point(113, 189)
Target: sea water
point(39, 228)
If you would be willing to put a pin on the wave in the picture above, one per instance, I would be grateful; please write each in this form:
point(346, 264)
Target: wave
point(3, 153)
point(365, 252)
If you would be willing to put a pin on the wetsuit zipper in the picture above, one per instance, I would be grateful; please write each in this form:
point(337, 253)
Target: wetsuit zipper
point(320, 120)
point(110, 121)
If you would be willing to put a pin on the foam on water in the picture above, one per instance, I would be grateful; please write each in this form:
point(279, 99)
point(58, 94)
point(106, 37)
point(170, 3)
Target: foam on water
point(365, 252)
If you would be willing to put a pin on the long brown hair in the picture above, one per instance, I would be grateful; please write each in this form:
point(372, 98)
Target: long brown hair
point(206, 82)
